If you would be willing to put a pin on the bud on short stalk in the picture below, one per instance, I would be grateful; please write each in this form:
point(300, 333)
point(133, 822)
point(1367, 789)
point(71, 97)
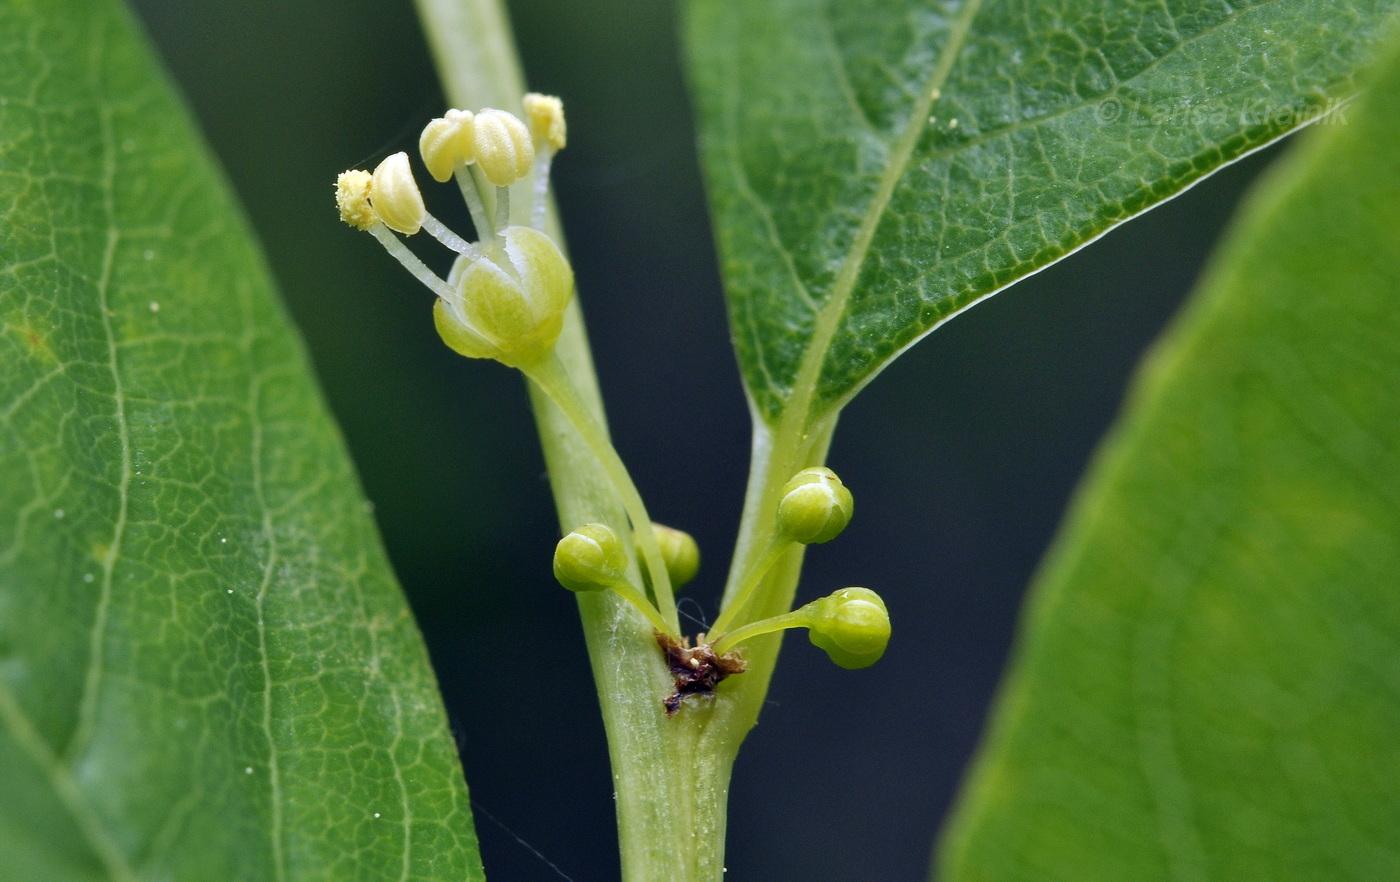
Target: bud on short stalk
point(590, 558)
point(679, 551)
point(815, 507)
point(852, 626)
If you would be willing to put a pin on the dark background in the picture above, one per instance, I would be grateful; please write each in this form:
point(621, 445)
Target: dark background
point(962, 456)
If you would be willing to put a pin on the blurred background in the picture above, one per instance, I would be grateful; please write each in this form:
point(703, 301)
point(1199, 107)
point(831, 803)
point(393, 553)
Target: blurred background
point(962, 456)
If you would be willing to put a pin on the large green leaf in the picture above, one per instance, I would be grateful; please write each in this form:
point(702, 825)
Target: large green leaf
point(1208, 685)
point(877, 165)
point(206, 668)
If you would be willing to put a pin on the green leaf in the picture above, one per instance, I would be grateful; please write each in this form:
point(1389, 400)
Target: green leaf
point(1208, 685)
point(206, 668)
point(875, 166)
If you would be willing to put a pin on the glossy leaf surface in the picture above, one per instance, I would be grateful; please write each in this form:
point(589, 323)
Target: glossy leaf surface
point(877, 165)
point(206, 668)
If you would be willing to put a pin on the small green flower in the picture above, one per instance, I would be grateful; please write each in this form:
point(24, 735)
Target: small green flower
point(509, 303)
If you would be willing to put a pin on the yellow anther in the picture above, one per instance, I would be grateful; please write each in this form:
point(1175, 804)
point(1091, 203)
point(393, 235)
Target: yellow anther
point(503, 147)
point(352, 198)
point(395, 195)
point(545, 113)
point(445, 142)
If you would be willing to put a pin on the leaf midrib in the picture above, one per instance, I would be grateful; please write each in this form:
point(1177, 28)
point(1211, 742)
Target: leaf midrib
point(97, 636)
point(798, 407)
point(829, 318)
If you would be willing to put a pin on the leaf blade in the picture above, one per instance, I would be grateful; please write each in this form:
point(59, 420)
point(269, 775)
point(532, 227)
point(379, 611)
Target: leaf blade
point(1207, 681)
point(805, 108)
point(206, 669)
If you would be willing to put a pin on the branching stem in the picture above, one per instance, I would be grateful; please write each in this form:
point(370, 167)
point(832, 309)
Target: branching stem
point(550, 376)
point(750, 584)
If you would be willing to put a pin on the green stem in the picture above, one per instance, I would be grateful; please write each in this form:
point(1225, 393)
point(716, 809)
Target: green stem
point(634, 595)
point(798, 618)
point(750, 584)
point(670, 774)
point(550, 375)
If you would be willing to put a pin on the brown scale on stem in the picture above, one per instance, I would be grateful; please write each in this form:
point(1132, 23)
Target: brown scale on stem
point(697, 669)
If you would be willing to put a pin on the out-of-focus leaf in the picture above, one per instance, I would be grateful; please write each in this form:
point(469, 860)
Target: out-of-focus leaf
point(1208, 682)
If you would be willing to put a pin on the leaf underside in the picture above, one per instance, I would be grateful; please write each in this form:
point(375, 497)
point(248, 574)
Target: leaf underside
point(874, 166)
point(1208, 683)
point(207, 670)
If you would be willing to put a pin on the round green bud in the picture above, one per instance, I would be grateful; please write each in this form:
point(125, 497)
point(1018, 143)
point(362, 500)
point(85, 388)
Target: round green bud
point(815, 507)
point(590, 558)
point(852, 626)
point(679, 551)
point(510, 302)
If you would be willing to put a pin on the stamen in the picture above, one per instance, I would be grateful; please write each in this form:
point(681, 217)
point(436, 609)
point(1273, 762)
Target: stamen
point(502, 207)
point(539, 198)
point(439, 231)
point(411, 262)
point(472, 196)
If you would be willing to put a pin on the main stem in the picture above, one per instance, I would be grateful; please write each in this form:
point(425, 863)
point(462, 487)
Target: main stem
point(670, 774)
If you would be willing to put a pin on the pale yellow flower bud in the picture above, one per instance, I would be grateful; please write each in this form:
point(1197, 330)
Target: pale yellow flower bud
point(447, 141)
point(545, 113)
point(352, 198)
point(395, 195)
point(503, 147)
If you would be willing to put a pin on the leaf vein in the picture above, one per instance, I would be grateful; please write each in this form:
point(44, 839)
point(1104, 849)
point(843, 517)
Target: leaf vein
point(97, 636)
point(274, 771)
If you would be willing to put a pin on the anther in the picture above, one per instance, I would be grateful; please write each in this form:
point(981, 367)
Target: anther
point(395, 195)
point(503, 147)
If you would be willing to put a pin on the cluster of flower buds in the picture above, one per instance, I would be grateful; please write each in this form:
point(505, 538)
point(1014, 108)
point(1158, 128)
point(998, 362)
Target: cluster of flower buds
point(505, 299)
point(852, 625)
point(506, 295)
